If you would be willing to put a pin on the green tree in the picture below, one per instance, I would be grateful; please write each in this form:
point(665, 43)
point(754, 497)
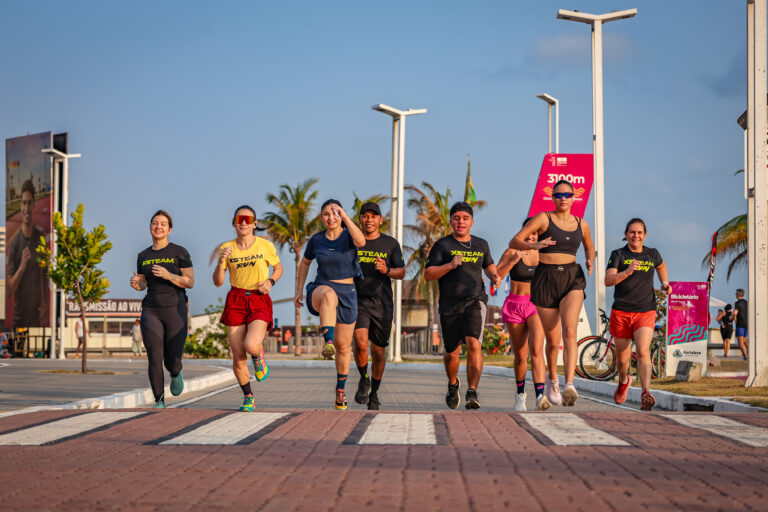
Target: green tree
point(292, 224)
point(210, 340)
point(376, 198)
point(74, 266)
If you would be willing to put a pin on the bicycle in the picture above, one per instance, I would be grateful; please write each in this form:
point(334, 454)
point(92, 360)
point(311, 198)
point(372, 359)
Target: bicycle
point(597, 360)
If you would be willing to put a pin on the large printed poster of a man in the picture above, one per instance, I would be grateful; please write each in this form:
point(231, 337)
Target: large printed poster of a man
point(28, 204)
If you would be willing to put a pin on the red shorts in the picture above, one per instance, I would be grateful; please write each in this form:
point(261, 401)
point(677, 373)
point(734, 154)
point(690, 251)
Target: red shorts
point(624, 324)
point(244, 306)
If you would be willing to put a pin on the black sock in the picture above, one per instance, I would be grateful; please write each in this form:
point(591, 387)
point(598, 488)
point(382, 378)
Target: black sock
point(363, 371)
point(539, 388)
point(341, 381)
point(520, 386)
point(246, 388)
point(375, 383)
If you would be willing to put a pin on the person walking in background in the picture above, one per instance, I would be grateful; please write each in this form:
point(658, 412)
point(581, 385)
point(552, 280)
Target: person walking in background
point(332, 295)
point(740, 318)
point(248, 308)
point(457, 262)
point(381, 260)
point(633, 315)
point(165, 270)
point(136, 338)
point(725, 319)
point(79, 331)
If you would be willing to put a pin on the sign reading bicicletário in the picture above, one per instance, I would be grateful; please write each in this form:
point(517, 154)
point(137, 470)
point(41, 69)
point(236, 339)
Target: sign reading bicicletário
point(687, 310)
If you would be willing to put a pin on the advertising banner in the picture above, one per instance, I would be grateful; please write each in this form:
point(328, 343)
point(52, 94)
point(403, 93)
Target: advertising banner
point(107, 307)
point(687, 311)
point(578, 168)
point(28, 207)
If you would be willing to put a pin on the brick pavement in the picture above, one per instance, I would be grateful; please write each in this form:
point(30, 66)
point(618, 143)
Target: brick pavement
point(491, 461)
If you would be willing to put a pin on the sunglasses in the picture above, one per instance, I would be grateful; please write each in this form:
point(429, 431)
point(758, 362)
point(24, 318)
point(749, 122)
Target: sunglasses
point(244, 219)
point(562, 195)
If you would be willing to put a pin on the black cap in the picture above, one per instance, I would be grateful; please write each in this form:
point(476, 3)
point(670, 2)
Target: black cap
point(462, 206)
point(370, 207)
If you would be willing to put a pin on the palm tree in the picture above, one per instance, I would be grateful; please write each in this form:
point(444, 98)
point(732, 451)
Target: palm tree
point(732, 241)
point(292, 224)
point(376, 198)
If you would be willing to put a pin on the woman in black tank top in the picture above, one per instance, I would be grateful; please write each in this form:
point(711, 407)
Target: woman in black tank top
point(557, 289)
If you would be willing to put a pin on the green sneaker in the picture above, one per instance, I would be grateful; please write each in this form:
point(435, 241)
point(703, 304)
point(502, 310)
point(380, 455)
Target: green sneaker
point(247, 404)
point(160, 404)
point(261, 367)
point(177, 385)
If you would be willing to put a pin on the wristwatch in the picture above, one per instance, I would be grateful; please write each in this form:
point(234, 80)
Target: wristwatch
point(271, 281)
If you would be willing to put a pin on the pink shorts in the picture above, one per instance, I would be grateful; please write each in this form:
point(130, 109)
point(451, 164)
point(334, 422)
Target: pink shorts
point(517, 309)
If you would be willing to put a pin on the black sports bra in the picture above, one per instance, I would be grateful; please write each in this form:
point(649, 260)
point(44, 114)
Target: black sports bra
point(521, 272)
point(568, 242)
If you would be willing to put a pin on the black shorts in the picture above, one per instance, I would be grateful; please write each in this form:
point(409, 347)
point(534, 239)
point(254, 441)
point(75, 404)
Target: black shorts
point(551, 283)
point(726, 332)
point(376, 321)
point(466, 323)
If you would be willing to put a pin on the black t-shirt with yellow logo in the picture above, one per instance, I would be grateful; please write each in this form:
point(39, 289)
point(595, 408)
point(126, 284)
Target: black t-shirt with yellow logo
point(374, 289)
point(161, 293)
point(635, 293)
point(462, 286)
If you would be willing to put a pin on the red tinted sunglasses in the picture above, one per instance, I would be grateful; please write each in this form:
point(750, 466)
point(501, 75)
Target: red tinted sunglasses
point(247, 219)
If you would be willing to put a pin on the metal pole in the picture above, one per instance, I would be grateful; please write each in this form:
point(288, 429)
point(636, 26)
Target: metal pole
point(393, 201)
point(64, 214)
point(398, 282)
point(557, 126)
point(53, 311)
point(757, 213)
point(597, 116)
point(549, 128)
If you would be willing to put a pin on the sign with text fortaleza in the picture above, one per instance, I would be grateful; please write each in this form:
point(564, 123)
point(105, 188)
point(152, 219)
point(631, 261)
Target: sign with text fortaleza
point(577, 168)
point(687, 310)
point(107, 307)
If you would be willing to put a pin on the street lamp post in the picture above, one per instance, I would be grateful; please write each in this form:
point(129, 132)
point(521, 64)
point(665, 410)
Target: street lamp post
point(60, 200)
point(396, 221)
point(596, 21)
point(552, 102)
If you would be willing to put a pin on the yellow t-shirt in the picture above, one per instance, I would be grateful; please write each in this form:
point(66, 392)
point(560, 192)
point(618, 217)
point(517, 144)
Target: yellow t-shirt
point(249, 267)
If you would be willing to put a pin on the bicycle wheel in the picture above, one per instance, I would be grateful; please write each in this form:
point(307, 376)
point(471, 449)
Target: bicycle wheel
point(579, 349)
point(658, 360)
point(598, 360)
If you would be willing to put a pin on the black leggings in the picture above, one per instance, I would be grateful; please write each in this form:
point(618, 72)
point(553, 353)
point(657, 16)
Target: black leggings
point(164, 331)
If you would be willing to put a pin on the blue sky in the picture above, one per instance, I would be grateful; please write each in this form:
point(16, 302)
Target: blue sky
point(197, 107)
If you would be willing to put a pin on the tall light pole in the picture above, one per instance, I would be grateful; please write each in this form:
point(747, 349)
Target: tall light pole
point(552, 102)
point(396, 222)
point(596, 21)
point(60, 200)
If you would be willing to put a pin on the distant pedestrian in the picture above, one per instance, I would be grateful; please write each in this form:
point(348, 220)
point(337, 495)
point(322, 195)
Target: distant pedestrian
point(457, 262)
point(725, 319)
point(740, 318)
point(136, 338)
point(79, 335)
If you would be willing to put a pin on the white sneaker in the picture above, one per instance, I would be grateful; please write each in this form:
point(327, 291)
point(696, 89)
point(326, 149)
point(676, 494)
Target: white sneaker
point(570, 395)
point(519, 402)
point(542, 403)
point(552, 392)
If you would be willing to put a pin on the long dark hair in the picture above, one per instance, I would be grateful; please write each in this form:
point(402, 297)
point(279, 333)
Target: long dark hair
point(634, 220)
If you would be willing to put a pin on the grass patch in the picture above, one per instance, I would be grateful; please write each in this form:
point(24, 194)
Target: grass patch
point(709, 386)
point(756, 402)
point(89, 372)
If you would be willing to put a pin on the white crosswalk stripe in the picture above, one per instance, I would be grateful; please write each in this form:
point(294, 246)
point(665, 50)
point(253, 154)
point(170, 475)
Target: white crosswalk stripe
point(229, 429)
point(64, 428)
point(567, 429)
point(747, 434)
point(400, 429)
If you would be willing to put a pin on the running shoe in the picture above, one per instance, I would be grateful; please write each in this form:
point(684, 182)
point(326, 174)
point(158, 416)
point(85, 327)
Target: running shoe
point(247, 404)
point(341, 400)
point(261, 367)
point(471, 399)
point(519, 402)
point(452, 398)
point(363, 386)
point(177, 385)
point(620, 395)
point(542, 403)
point(328, 351)
point(160, 404)
point(646, 401)
point(373, 402)
point(553, 392)
point(570, 395)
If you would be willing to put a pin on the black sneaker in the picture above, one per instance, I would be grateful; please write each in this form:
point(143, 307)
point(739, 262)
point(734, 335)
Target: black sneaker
point(363, 385)
point(452, 398)
point(471, 399)
point(373, 402)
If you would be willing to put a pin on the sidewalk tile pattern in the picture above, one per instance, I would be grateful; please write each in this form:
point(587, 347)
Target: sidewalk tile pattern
point(747, 434)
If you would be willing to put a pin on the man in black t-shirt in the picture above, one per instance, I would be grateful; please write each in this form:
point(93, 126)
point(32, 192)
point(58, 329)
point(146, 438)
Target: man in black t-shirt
point(740, 318)
point(457, 262)
point(381, 260)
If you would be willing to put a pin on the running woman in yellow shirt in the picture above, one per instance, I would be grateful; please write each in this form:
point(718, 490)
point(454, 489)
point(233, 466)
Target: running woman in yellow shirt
point(248, 308)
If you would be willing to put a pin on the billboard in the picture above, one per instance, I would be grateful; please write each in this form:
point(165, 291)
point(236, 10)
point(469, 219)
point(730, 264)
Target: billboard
point(28, 207)
point(578, 168)
point(687, 320)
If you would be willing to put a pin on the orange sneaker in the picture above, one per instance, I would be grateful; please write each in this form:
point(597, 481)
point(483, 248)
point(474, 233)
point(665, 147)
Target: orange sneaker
point(620, 395)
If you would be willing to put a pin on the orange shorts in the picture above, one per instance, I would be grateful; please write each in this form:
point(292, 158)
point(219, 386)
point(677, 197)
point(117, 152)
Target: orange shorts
point(624, 324)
